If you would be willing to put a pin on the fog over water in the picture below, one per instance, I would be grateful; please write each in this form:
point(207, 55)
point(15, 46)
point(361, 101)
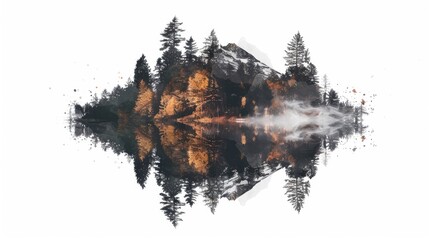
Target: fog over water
point(301, 121)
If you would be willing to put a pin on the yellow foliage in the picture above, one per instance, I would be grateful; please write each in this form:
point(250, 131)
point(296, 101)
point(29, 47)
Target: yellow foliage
point(144, 100)
point(198, 159)
point(144, 143)
point(170, 108)
point(199, 81)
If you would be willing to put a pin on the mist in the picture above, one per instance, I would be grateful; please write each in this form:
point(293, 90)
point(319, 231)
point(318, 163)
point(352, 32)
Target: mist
point(300, 121)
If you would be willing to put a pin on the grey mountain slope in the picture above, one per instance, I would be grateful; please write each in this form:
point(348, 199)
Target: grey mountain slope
point(228, 58)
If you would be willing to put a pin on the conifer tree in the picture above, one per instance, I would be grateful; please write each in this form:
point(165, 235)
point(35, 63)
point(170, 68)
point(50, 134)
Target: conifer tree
point(190, 51)
point(190, 191)
point(296, 54)
point(333, 99)
point(312, 77)
point(212, 193)
point(142, 72)
point(296, 190)
point(171, 39)
point(171, 207)
point(211, 45)
point(171, 35)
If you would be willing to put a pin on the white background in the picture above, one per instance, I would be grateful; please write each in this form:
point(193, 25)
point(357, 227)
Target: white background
point(53, 187)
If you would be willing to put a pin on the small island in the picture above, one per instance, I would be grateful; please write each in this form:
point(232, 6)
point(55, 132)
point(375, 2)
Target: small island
point(210, 124)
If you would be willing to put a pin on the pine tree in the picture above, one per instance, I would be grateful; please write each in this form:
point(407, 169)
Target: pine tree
point(171, 35)
point(296, 190)
point(296, 54)
point(190, 51)
point(333, 99)
point(159, 67)
point(312, 77)
point(170, 41)
point(142, 72)
point(142, 169)
point(211, 45)
point(212, 193)
point(171, 207)
point(170, 199)
point(171, 57)
point(190, 191)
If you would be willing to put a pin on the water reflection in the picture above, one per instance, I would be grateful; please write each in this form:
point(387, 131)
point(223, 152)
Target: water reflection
point(211, 161)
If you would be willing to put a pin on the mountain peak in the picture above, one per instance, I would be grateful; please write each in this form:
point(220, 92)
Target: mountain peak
point(240, 52)
point(231, 56)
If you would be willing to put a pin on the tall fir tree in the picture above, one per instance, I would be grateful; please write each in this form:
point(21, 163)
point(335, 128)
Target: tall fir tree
point(211, 45)
point(172, 205)
point(171, 39)
point(171, 35)
point(142, 72)
point(296, 54)
point(296, 190)
point(190, 51)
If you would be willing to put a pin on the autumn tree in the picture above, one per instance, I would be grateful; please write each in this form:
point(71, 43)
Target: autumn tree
point(171, 57)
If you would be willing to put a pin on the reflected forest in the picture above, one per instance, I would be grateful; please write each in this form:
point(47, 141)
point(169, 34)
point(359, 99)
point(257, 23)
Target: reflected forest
point(212, 122)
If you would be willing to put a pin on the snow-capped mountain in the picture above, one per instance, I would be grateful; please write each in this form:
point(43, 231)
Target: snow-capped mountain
point(238, 185)
point(228, 59)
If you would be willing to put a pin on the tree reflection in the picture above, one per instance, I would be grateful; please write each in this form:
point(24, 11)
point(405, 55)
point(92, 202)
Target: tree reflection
point(296, 190)
point(211, 161)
